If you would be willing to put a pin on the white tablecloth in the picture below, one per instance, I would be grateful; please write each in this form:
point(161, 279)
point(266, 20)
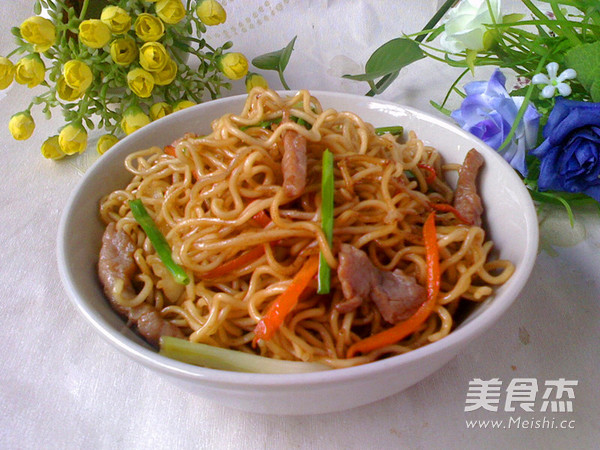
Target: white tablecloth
point(63, 386)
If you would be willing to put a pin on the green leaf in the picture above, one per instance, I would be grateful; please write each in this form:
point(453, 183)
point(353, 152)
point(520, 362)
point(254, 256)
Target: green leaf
point(470, 59)
point(277, 60)
point(585, 60)
point(390, 58)
point(595, 91)
point(512, 18)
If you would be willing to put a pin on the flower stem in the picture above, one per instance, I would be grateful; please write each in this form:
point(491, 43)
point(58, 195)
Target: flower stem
point(84, 8)
point(523, 107)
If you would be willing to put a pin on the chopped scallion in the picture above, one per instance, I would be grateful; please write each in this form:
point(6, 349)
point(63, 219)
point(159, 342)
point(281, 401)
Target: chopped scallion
point(158, 241)
point(327, 188)
point(225, 359)
point(396, 131)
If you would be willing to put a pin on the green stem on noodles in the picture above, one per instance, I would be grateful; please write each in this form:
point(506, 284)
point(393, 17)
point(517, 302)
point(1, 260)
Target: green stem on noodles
point(327, 190)
point(225, 359)
point(158, 241)
point(396, 131)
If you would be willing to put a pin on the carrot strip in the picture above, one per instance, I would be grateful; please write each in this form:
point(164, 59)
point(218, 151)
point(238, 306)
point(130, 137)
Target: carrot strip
point(430, 170)
point(281, 307)
point(169, 150)
point(236, 263)
point(445, 207)
point(412, 324)
point(262, 218)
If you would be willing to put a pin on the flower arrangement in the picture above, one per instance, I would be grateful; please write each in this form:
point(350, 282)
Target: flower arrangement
point(115, 65)
point(548, 126)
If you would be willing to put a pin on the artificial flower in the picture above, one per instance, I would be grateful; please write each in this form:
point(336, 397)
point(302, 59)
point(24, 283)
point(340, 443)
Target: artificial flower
point(255, 80)
point(170, 11)
point(78, 75)
point(160, 110)
point(94, 33)
point(153, 56)
point(233, 65)
point(116, 18)
point(7, 72)
point(123, 51)
point(30, 70)
point(166, 76)
point(182, 104)
point(40, 32)
point(51, 148)
point(210, 12)
point(553, 81)
point(149, 28)
point(488, 112)
point(140, 82)
point(21, 126)
point(465, 25)
point(105, 143)
point(66, 92)
point(134, 119)
point(72, 139)
point(570, 152)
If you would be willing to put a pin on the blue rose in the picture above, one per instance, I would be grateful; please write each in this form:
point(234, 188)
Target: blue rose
point(570, 153)
point(488, 112)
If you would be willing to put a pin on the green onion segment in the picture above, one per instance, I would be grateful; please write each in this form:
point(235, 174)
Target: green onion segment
point(327, 188)
point(158, 241)
point(396, 131)
point(225, 359)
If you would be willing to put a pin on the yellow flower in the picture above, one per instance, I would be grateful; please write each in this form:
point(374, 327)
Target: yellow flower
point(233, 65)
point(134, 119)
point(105, 143)
point(94, 33)
point(166, 75)
point(160, 110)
point(40, 32)
point(153, 56)
point(21, 126)
point(255, 80)
point(7, 72)
point(65, 91)
point(78, 75)
point(116, 19)
point(73, 139)
point(51, 148)
point(30, 70)
point(182, 104)
point(149, 28)
point(170, 11)
point(123, 51)
point(210, 12)
point(140, 82)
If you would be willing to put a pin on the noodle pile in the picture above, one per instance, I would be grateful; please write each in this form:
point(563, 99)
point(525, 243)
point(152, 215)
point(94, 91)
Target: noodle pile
point(204, 200)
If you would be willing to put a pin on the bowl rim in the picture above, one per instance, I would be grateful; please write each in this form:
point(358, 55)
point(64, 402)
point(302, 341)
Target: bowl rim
point(492, 313)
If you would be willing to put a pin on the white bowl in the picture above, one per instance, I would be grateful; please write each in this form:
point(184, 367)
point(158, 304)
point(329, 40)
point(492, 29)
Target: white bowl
point(512, 224)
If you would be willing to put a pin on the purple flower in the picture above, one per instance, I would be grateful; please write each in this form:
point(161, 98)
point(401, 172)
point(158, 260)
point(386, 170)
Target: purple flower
point(570, 153)
point(488, 112)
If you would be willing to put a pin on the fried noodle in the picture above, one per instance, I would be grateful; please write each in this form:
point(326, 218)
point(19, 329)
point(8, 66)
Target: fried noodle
point(204, 200)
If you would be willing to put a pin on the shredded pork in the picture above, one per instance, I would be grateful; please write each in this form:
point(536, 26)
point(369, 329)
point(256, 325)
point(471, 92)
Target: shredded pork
point(116, 268)
point(466, 199)
point(396, 295)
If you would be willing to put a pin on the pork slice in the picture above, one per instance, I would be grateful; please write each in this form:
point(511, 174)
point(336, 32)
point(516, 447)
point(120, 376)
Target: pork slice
point(116, 264)
point(356, 276)
point(293, 163)
point(396, 295)
point(466, 199)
